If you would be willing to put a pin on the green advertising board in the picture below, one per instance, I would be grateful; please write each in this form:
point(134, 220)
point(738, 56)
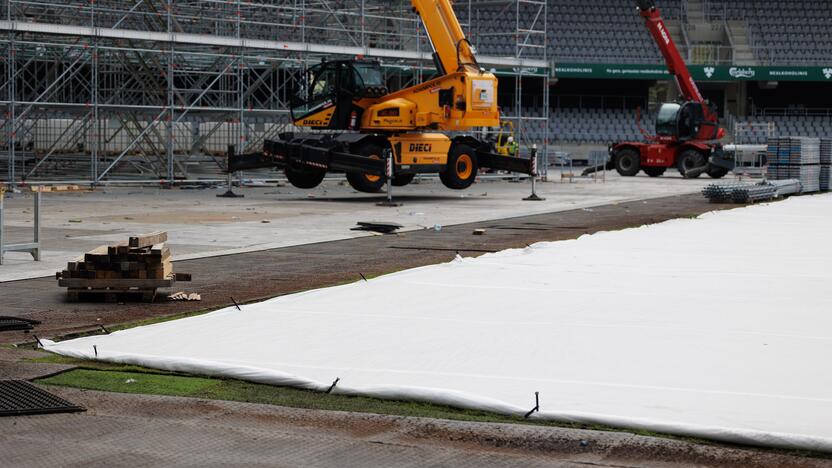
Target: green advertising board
point(699, 72)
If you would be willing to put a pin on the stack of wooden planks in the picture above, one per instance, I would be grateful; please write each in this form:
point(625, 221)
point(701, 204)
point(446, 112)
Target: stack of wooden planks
point(139, 266)
point(55, 188)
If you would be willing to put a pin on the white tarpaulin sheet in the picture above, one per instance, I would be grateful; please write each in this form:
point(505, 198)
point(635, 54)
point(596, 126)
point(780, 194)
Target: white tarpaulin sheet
point(717, 327)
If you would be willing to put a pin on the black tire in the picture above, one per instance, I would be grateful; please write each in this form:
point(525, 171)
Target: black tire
point(690, 159)
point(461, 170)
point(403, 179)
point(627, 162)
point(654, 171)
point(717, 172)
point(364, 182)
point(306, 179)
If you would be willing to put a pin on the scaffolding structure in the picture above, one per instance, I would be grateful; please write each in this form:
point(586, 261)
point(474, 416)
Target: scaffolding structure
point(155, 90)
point(524, 31)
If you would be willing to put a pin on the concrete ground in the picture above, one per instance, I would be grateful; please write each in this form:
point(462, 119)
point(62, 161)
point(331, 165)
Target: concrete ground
point(201, 225)
point(262, 274)
point(136, 430)
point(120, 430)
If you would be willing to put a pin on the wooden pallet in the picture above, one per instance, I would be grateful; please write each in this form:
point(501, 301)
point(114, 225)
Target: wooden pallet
point(112, 289)
point(110, 295)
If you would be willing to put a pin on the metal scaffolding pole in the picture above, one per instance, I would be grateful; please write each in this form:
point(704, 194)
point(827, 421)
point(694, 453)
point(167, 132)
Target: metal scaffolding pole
point(171, 96)
point(101, 89)
point(96, 117)
point(11, 123)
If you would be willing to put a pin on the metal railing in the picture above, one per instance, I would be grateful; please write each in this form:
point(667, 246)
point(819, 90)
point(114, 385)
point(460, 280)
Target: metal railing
point(792, 112)
point(710, 54)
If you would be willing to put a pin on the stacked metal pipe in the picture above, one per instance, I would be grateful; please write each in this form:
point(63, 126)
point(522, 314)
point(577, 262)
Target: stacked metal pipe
point(795, 158)
point(724, 193)
point(751, 193)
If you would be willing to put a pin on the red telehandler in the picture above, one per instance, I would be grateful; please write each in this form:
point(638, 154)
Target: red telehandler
point(687, 133)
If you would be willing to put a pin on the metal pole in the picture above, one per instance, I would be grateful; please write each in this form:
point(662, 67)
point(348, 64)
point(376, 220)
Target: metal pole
point(170, 168)
point(546, 108)
point(533, 196)
point(2, 224)
point(96, 138)
point(12, 125)
point(388, 171)
point(363, 41)
point(240, 90)
point(229, 193)
point(36, 251)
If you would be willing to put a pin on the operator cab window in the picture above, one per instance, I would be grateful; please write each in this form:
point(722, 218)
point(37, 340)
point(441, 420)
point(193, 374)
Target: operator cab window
point(325, 82)
point(666, 121)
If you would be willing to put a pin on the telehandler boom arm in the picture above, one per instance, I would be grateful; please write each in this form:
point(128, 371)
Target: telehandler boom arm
point(452, 51)
point(675, 63)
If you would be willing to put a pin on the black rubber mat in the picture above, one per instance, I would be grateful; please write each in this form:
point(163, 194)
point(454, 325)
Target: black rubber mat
point(14, 323)
point(18, 397)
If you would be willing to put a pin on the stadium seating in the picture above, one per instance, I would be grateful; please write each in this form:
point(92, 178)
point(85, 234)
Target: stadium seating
point(792, 125)
point(597, 31)
point(610, 31)
point(589, 125)
point(603, 126)
point(600, 126)
point(793, 32)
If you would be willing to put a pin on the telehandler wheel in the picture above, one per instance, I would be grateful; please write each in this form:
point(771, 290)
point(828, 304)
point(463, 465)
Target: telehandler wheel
point(654, 171)
point(717, 172)
point(307, 179)
point(363, 182)
point(627, 162)
point(461, 169)
point(690, 159)
point(403, 179)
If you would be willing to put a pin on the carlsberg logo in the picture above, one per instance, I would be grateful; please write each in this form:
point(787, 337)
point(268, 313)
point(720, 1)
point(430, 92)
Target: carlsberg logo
point(709, 71)
point(742, 72)
point(827, 72)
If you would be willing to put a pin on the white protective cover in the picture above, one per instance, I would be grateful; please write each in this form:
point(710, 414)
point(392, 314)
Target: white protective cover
point(717, 327)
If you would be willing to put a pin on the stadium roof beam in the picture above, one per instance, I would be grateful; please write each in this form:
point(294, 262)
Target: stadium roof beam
point(219, 41)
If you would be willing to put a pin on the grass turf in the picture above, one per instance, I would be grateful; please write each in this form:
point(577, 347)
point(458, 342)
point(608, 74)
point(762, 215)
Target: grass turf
point(132, 379)
point(118, 378)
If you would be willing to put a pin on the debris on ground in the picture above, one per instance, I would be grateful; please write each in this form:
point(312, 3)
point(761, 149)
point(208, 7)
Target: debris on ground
point(479, 232)
point(377, 226)
point(183, 296)
point(136, 267)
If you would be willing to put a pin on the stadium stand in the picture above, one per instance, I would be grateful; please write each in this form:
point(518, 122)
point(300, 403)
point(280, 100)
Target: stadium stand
point(589, 125)
point(782, 33)
point(602, 126)
point(601, 31)
point(609, 31)
point(815, 126)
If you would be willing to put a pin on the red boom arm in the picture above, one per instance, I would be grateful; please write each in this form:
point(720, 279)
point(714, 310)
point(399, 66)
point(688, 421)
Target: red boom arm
point(675, 63)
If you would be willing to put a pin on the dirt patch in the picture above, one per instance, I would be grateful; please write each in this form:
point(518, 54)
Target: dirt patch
point(255, 276)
